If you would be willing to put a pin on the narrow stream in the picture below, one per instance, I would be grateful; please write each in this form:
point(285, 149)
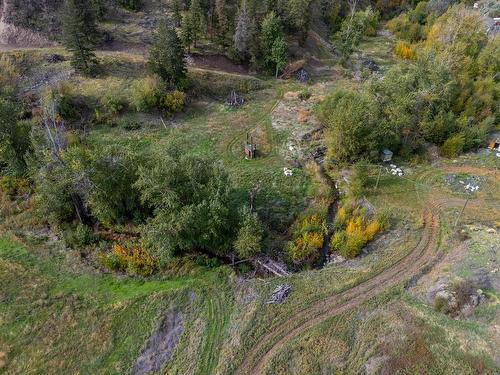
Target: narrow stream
point(330, 216)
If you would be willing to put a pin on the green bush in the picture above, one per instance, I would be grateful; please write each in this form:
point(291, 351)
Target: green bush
point(12, 185)
point(146, 94)
point(453, 146)
point(174, 102)
point(80, 236)
point(248, 242)
point(112, 104)
point(111, 261)
point(70, 106)
point(305, 94)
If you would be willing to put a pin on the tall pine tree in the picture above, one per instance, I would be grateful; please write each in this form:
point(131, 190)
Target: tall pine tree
point(166, 56)
point(222, 21)
point(242, 33)
point(192, 24)
point(271, 32)
point(80, 34)
point(176, 13)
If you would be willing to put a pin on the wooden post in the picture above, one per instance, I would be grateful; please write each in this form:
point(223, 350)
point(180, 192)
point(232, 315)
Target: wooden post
point(461, 212)
point(378, 178)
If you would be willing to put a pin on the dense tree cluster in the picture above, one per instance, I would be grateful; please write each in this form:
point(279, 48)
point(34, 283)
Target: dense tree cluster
point(448, 96)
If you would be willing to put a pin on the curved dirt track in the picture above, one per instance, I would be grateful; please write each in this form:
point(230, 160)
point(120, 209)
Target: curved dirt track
point(424, 253)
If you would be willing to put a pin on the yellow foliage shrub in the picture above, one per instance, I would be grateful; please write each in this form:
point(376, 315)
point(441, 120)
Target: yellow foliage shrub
point(121, 255)
point(306, 247)
point(354, 224)
point(371, 230)
point(341, 217)
point(404, 50)
point(136, 261)
point(355, 241)
point(312, 223)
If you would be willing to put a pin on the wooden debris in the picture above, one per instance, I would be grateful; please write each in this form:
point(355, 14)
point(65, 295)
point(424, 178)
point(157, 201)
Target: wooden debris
point(271, 266)
point(234, 100)
point(279, 294)
point(292, 68)
point(302, 75)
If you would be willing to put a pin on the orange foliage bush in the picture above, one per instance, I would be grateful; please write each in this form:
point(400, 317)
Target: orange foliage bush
point(136, 261)
point(305, 247)
point(371, 230)
point(404, 50)
point(303, 115)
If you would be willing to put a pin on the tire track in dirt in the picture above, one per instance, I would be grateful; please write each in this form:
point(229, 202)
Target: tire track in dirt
point(415, 262)
point(215, 325)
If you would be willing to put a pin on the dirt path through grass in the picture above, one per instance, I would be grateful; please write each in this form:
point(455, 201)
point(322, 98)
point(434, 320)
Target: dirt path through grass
point(421, 257)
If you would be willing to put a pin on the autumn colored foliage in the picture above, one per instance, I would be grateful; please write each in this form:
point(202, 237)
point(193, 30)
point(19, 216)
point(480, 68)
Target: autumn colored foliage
point(404, 50)
point(135, 261)
point(353, 230)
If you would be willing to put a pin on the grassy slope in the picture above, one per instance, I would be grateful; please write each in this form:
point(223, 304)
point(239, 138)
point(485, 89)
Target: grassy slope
point(55, 321)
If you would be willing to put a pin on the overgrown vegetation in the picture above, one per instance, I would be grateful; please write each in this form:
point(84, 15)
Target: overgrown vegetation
point(446, 95)
point(130, 188)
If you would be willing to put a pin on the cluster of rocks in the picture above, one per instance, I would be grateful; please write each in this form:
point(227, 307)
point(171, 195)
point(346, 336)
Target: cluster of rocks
point(303, 76)
point(459, 183)
point(280, 293)
point(461, 298)
point(370, 64)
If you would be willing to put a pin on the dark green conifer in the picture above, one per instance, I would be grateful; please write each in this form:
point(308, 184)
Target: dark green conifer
point(80, 34)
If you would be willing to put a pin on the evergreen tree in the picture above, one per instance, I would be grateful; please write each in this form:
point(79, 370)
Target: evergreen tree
point(176, 11)
point(222, 20)
point(187, 31)
point(300, 15)
point(242, 33)
point(80, 34)
point(166, 57)
point(192, 24)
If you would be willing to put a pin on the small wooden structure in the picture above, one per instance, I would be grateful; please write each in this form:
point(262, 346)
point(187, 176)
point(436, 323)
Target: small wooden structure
point(250, 149)
point(387, 155)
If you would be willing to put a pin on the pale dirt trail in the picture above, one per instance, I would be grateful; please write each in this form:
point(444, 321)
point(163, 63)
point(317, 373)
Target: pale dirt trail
point(423, 255)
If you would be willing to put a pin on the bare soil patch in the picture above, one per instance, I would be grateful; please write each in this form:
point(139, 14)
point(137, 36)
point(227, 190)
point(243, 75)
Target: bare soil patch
point(160, 345)
point(216, 62)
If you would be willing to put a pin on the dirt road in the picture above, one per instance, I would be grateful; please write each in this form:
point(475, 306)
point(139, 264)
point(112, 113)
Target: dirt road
point(256, 360)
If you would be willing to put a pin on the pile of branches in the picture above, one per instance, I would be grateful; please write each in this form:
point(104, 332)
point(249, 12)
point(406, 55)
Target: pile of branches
point(234, 100)
point(279, 294)
point(302, 76)
point(292, 68)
